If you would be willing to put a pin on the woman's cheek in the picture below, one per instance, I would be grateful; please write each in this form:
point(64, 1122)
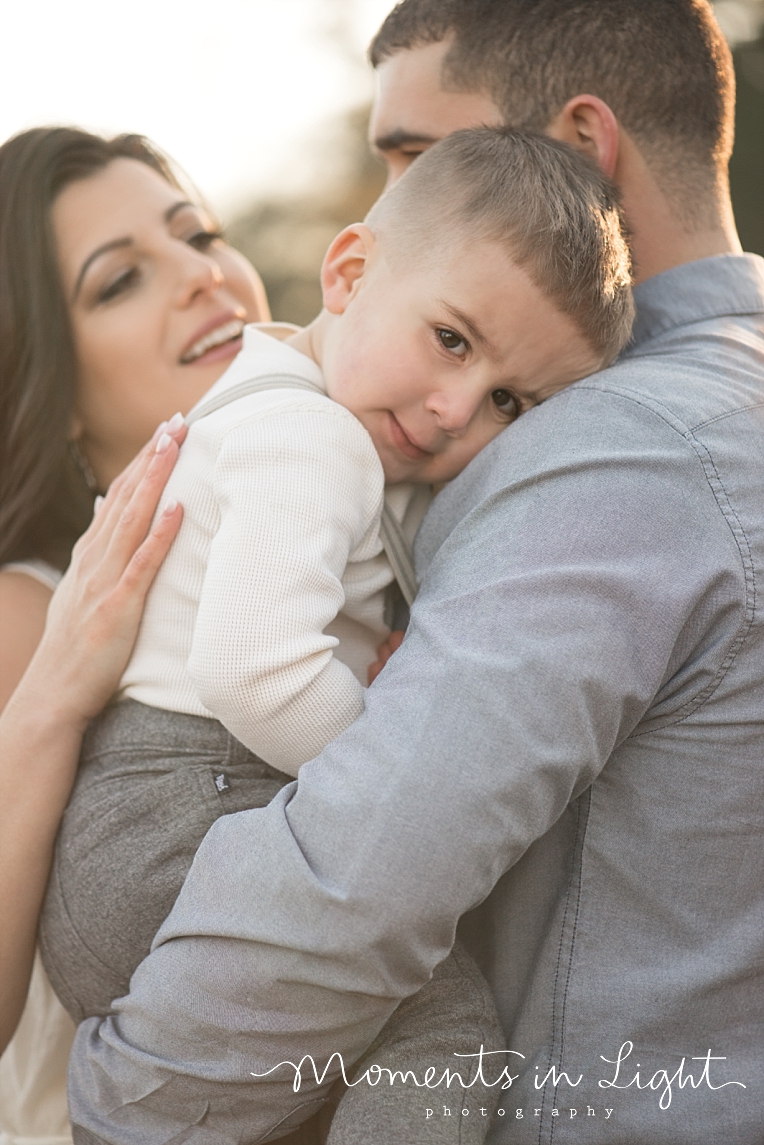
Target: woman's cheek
point(244, 283)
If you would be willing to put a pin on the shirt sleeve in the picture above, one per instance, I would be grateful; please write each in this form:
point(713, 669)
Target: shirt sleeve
point(299, 495)
point(553, 615)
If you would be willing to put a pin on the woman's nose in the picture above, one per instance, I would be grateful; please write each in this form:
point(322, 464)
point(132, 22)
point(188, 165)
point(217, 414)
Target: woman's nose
point(198, 273)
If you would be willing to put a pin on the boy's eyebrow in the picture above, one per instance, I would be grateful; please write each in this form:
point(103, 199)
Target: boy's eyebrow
point(400, 138)
point(469, 323)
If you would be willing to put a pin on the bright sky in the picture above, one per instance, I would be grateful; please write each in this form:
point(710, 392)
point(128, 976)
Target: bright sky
point(232, 89)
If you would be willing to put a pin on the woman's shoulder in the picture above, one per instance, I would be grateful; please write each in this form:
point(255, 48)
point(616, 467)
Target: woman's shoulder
point(25, 591)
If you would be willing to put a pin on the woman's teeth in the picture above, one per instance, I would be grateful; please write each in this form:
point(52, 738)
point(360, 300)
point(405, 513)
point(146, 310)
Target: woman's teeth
point(216, 337)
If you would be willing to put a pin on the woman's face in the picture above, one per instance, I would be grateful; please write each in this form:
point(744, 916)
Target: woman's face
point(157, 303)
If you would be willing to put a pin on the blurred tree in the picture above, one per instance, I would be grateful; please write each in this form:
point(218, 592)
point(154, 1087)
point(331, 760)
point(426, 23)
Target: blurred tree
point(747, 166)
point(286, 239)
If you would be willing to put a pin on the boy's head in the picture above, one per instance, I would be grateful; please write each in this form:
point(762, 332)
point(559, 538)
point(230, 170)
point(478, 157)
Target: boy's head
point(492, 275)
point(661, 66)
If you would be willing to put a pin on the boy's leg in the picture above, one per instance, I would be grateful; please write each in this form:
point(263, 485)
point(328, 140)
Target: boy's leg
point(150, 786)
point(453, 1014)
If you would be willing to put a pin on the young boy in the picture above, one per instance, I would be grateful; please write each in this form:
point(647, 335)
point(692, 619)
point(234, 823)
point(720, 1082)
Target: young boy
point(492, 275)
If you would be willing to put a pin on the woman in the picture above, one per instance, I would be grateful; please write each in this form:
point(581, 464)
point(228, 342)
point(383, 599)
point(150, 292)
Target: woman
point(119, 305)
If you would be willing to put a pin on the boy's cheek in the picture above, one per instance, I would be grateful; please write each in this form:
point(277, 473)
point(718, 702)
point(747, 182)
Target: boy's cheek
point(463, 452)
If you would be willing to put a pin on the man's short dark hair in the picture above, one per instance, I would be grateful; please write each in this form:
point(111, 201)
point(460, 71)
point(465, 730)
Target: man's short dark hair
point(662, 66)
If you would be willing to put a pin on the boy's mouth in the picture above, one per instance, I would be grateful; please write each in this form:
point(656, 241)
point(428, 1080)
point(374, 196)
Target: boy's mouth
point(403, 442)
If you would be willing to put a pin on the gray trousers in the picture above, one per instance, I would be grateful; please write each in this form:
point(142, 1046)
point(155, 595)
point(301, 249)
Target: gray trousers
point(150, 785)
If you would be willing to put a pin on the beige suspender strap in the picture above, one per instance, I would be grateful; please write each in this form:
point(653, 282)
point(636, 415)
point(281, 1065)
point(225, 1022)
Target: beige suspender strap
point(397, 548)
point(398, 552)
point(252, 386)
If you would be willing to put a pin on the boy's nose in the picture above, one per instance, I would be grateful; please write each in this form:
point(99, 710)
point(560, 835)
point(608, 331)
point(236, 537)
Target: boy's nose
point(453, 411)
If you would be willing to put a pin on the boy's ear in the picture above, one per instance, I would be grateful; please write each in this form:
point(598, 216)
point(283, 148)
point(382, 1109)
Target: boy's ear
point(344, 266)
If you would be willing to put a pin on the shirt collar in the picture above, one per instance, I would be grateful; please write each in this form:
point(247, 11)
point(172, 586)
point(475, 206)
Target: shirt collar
point(696, 291)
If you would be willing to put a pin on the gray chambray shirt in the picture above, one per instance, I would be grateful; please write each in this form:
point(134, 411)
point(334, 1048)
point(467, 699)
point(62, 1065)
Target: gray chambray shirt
point(569, 746)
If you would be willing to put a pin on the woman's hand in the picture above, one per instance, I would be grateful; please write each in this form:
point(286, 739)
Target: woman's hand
point(94, 615)
point(91, 627)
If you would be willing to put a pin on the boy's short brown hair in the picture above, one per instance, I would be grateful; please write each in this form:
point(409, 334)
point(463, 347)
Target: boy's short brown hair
point(550, 207)
point(662, 66)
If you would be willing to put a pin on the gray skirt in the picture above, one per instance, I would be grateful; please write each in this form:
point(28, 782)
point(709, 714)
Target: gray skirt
point(150, 785)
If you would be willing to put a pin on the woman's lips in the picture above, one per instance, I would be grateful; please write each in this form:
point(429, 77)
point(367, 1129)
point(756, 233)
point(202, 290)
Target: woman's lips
point(403, 442)
point(223, 331)
point(219, 353)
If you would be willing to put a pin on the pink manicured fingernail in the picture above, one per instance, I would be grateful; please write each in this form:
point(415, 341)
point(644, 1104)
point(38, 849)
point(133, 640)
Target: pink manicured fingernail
point(160, 428)
point(170, 508)
point(175, 422)
point(164, 443)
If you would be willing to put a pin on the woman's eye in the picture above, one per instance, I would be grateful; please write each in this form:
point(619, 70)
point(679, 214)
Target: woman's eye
point(505, 401)
point(452, 341)
point(119, 285)
point(203, 240)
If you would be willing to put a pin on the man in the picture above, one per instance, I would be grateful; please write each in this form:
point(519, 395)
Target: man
point(568, 745)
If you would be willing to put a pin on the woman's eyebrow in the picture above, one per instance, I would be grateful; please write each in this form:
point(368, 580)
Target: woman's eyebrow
point(172, 211)
point(115, 244)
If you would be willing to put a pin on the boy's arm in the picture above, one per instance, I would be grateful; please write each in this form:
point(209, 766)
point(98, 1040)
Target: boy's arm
point(299, 493)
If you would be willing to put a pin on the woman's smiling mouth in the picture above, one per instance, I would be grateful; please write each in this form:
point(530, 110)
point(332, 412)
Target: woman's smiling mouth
point(225, 338)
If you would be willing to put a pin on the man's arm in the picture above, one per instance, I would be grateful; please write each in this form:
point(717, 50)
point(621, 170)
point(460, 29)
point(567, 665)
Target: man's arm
point(544, 629)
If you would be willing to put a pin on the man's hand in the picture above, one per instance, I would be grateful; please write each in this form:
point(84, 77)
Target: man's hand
point(384, 652)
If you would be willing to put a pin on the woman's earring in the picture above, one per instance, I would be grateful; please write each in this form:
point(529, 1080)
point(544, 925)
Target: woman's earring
point(82, 463)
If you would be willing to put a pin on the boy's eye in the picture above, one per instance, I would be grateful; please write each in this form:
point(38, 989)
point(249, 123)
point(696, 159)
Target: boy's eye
point(505, 401)
point(452, 341)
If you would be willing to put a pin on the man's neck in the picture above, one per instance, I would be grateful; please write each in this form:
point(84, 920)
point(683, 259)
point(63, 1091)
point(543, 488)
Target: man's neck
point(661, 239)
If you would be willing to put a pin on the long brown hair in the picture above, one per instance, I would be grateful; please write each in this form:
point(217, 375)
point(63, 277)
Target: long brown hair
point(45, 501)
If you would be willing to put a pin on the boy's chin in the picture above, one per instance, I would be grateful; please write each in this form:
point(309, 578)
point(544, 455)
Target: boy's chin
point(407, 472)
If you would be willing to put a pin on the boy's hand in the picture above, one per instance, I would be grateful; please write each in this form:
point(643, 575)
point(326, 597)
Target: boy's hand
point(384, 652)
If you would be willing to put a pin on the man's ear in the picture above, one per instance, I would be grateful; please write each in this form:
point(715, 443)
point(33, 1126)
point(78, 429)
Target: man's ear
point(588, 124)
point(344, 266)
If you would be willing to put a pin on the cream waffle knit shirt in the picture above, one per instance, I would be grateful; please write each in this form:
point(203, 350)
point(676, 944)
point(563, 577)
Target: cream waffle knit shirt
point(270, 605)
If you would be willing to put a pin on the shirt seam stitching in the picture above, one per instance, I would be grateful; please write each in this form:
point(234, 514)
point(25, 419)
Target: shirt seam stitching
point(579, 855)
point(703, 455)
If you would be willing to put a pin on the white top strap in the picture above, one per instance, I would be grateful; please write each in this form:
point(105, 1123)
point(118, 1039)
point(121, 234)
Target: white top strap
point(38, 570)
